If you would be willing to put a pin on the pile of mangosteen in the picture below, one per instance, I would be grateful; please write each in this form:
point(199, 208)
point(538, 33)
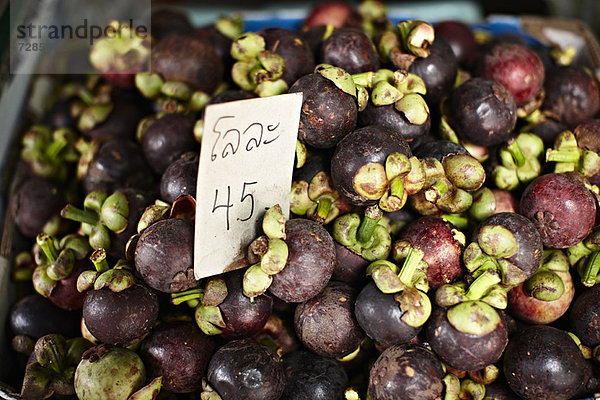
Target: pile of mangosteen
point(443, 239)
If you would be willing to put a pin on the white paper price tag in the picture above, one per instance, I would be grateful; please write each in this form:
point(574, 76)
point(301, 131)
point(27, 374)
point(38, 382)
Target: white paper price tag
point(246, 165)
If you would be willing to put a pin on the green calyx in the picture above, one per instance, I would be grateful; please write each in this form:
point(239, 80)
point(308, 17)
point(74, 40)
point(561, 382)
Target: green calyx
point(416, 36)
point(173, 96)
point(271, 252)
point(519, 161)
point(209, 319)
point(49, 152)
point(230, 26)
point(497, 241)
point(100, 214)
point(116, 278)
point(55, 260)
point(568, 156)
point(589, 269)
point(53, 366)
point(342, 79)
point(544, 285)
point(257, 69)
point(317, 199)
point(464, 171)
point(475, 258)
point(405, 176)
point(122, 51)
point(365, 236)
point(388, 277)
point(484, 204)
point(158, 211)
point(473, 317)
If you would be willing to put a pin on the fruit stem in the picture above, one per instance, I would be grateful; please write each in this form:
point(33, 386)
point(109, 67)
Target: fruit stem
point(397, 188)
point(46, 243)
point(187, 295)
point(592, 270)
point(570, 156)
point(484, 282)
point(323, 207)
point(515, 151)
point(372, 216)
point(76, 214)
point(98, 258)
point(409, 267)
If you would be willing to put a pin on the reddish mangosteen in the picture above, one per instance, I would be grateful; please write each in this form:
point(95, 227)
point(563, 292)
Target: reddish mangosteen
point(561, 207)
point(517, 67)
point(334, 13)
point(441, 246)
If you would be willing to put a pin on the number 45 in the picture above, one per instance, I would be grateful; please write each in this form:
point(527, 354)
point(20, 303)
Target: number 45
point(228, 204)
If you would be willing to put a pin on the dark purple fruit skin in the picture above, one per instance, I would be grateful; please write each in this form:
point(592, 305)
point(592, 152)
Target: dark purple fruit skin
point(562, 209)
point(36, 316)
point(390, 117)
point(442, 252)
point(515, 66)
point(482, 111)
point(138, 201)
point(406, 371)
point(123, 120)
point(547, 130)
point(371, 144)
point(328, 114)
point(463, 351)
point(179, 352)
point(460, 38)
point(379, 315)
point(220, 43)
point(349, 267)
point(245, 369)
point(188, 59)
point(544, 363)
point(36, 201)
point(120, 318)
point(180, 178)
point(438, 149)
point(311, 257)
point(350, 49)
point(164, 255)
point(571, 95)
point(296, 53)
point(585, 316)
point(313, 377)
point(169, 22)
point(529, 252)
point(438, 70)
point(65, 294)
point(326, 324)
point(243, 317)
point(118, 163)
point(499, 390)
point(231, 95)
point(167, 139)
